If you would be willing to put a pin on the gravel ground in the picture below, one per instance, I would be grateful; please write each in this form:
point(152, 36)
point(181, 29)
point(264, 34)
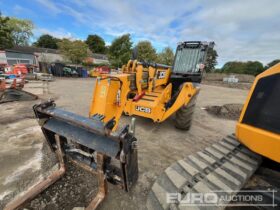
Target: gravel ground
point(76, 188)
point(159, 146)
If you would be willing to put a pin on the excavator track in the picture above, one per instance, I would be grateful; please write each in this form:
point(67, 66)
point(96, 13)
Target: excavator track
point(223, 168)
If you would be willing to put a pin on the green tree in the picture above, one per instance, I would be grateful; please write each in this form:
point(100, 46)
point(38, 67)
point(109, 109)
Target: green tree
point(96, 44)
point(272, 63)
point(145, 51)
point(234, 67)
point(249, 67)
point(211, 60)
point(166, 56)
point(254, 68)
point(107, 49)
point(120, 50)
point(6, 40)
point(21, 30)
point(76, 51)
point(47, 41)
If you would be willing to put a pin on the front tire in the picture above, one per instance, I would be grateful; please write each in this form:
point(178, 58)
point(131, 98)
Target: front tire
point(183, 119)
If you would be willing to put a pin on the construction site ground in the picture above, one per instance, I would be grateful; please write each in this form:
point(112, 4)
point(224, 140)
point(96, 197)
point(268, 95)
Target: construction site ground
point(25, 160)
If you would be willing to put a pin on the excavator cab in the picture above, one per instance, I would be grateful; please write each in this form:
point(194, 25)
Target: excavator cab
point(259, 125)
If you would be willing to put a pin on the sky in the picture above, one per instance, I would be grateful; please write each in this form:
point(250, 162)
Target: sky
point(242, 29)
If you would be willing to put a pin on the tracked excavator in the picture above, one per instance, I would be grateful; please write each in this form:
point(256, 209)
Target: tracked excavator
point(222, 169)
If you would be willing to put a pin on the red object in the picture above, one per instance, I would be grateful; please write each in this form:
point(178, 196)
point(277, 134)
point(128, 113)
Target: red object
point(21, 84)
point(14, 84)
point(138, 97)
point(103, 69)
point(20, 69)
point(2, 85)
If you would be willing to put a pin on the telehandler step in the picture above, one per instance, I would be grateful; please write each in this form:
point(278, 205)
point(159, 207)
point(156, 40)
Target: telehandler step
point(221, 169)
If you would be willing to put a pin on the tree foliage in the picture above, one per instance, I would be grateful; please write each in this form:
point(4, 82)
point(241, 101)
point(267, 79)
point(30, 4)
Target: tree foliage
point(47, 41)
point(272, 63)
point(166, 56)
point(75, 51)
point(249, 67)
point(6, 40)
point(96, 44)
point(145, 51)
point(211, 60)
point(21, 30)
point(120, 50)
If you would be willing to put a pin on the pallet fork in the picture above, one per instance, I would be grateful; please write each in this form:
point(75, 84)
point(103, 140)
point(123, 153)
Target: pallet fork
point(90, 144)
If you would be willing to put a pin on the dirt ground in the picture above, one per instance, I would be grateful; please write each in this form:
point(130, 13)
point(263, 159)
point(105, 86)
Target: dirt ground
point(24, 157)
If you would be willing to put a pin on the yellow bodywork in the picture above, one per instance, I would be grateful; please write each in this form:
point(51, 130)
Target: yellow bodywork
point(261, 141)
point(94, 73)
point(113, 94)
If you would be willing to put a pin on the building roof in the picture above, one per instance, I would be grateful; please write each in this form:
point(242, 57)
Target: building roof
point(99, 56)
point(31, 49)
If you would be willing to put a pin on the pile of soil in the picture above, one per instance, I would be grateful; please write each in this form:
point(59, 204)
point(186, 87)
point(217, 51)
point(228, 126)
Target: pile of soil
point(227, 111)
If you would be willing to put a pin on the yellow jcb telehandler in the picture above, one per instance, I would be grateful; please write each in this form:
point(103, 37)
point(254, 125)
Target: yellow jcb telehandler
point(152, 90)
point(149, 90)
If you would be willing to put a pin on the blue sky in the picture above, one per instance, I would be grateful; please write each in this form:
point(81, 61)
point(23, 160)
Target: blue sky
point(242, 29)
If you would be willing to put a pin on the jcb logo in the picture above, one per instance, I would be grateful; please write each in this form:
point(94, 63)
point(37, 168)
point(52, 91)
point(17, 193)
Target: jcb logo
point(143, 109)
point(161, 74)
